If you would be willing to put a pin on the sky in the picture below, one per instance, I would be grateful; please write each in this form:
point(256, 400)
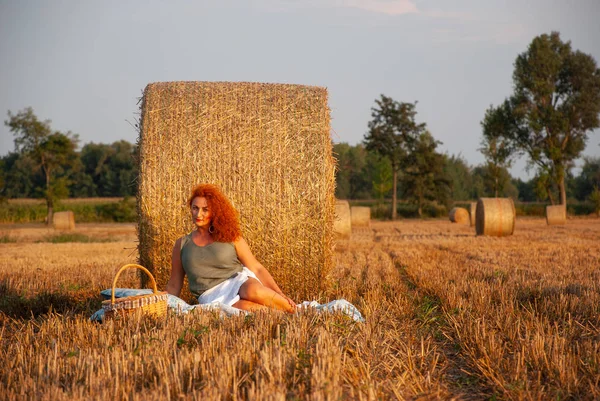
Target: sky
point(84, 64)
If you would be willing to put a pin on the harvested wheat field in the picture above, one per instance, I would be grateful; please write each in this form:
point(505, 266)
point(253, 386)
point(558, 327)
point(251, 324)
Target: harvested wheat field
point(449, 315)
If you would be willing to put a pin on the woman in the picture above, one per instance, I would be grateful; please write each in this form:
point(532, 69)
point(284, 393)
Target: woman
point(218, 261)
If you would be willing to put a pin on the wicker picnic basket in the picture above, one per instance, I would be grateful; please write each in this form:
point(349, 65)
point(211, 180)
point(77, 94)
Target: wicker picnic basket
point(154, 304)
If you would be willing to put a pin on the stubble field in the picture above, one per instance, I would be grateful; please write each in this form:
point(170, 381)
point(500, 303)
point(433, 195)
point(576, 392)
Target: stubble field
point(448, 316)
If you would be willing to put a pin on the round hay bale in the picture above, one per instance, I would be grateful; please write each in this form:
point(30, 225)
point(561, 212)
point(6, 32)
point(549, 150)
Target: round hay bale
point(267, 146)
point(63, 220)
point(361, 216)
point(342, 225)
point(556, 215)
point(472, 212)
point(459, 215)
point(495, 217)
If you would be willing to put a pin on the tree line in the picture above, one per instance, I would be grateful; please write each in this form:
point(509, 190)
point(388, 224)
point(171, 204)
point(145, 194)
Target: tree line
point(47, 164)
point(554, 106)
point(365, 175)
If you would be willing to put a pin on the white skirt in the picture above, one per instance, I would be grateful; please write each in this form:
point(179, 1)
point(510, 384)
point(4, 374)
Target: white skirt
point(228, 291)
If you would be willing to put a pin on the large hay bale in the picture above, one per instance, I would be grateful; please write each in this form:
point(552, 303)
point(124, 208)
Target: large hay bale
point(361, 216)
point(495, 216)
point(267, 146)
point(472, 213)
point(342, 225)
point(63, 220)
point(459, 215)
point(556, 215)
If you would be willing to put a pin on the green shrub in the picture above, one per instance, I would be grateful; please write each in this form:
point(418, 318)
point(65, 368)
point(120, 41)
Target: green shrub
point(5, 239)
point(381, 211)
point(73, 237)
point(22, 213)
point(120, 212)
point(595, 200)
point(530, 209)
point(436, 210)
point(580, 208)
point(85, 211)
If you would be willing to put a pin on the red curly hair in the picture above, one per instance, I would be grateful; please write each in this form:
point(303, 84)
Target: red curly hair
point(224, 216)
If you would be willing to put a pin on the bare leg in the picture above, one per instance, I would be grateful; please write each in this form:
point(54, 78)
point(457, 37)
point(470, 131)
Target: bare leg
point(252, 290)
point(248, 305)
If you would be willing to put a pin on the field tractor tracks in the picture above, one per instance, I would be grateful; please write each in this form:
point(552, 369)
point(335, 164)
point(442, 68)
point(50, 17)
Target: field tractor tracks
point(434, 322)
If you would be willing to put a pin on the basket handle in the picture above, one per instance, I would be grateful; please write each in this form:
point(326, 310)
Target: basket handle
point(142, 268)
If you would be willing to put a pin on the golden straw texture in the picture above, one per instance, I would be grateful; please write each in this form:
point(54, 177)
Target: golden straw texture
point(472, 213)
point(361, 216)
point(342, 225)
point(459, 215)
point(63, 220)
point(495, 217)
point(267, 146)
point(556, 215)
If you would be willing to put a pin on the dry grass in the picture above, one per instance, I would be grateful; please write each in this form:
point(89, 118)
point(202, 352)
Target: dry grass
point(32, 232)
point(449, 316)
point(39, 201)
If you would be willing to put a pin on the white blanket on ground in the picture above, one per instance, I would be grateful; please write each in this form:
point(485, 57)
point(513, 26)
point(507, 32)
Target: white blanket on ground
point(179, 306)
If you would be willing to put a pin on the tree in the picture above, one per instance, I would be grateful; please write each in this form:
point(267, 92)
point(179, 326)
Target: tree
point(588, 178)
point(543, 187)
point(526, 190)
point(18, 179)
point(380, 172)
point(95, 160)
point(112, 168)
point(461, 181)
point(391, 132)
point(556, 102)
point(497, 180)
point(424, 176)
point(123, 164)
point(50, 151)
point(350, 179)
point(497, 149)
point(594, 197)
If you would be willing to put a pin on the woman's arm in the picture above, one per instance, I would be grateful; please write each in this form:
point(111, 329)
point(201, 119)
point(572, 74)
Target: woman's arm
point(247, 258)
point(177, 274)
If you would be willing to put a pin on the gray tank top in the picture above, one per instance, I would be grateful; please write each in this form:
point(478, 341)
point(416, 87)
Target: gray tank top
point(209, 265)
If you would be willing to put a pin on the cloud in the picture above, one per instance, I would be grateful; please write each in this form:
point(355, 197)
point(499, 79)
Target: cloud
point(495, 32)
point(451, 15)
point(389, 7)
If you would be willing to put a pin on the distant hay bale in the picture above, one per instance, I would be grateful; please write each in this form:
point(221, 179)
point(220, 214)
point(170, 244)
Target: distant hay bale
point(342, 225)
point(556, 215)
point(459, 215)
point(361, 216)
point(267, 146)
point(495, 217)
point(472, 213)
point(63, 220)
